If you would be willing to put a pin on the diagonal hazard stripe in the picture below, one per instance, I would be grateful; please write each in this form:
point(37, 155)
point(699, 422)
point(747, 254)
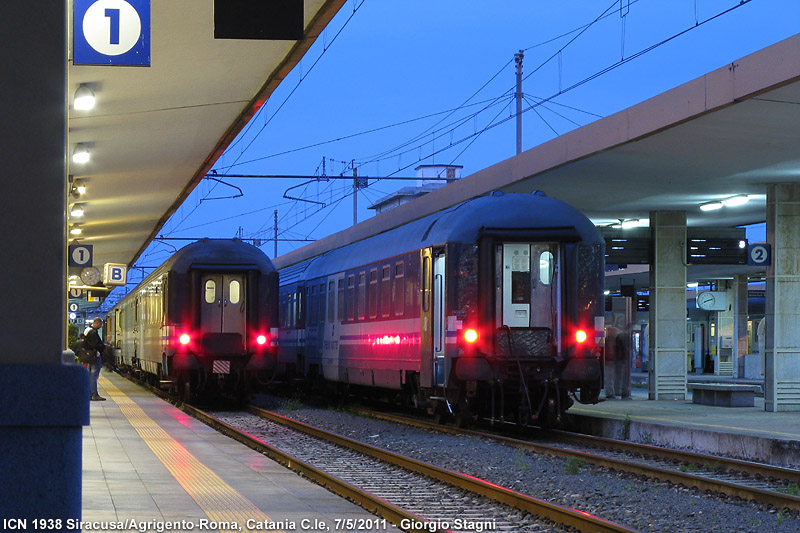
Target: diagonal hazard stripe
point(221, 502)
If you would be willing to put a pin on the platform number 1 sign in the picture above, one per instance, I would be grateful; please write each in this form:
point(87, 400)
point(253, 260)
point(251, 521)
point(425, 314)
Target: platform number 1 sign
point(111, 32)
point(80, 255)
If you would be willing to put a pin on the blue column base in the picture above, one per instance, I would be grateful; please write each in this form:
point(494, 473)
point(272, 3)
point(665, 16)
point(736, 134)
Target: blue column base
point(44, 409)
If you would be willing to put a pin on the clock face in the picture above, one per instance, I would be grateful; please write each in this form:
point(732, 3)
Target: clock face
point(90, 276)
point(706, 300)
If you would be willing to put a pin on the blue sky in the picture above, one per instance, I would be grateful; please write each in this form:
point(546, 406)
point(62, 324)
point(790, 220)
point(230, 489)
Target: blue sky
point(383, 64)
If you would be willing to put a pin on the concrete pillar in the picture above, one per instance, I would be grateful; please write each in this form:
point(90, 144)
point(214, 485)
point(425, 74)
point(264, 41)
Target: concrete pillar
point(667, 367)
point(44, 402)
point(740, 311)
point(782, 379)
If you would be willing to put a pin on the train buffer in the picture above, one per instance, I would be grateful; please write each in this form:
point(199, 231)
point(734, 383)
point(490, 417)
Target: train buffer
point(724, 394)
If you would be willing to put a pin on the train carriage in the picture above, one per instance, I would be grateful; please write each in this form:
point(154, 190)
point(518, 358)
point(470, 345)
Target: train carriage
point(489, 308)
point(204, 320)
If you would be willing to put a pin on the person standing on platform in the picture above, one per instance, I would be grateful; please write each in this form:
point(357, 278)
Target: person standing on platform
point(611, 356)
point(93, 341)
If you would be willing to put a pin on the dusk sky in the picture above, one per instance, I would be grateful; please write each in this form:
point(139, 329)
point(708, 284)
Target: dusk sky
point(432, 83)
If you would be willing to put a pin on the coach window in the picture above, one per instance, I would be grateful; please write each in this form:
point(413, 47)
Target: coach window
point(546, 268)
point(331, 300)
point(321, 304)
point(157, 306)
point(362, 295)
point(351, 297)
point(373, 293)
point(164, 301)
point(312, 306)
point(301, 308)
point(340, 307)
point(386, 291)
point(399, 289)
point(291, 302)
point(211, 291)
point(234, 292)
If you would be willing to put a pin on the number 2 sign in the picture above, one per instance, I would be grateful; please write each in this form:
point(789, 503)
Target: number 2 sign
point(111, 32)
point(759, 254)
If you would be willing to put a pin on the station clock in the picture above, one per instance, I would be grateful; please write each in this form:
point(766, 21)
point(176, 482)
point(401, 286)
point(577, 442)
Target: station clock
point(712, 301)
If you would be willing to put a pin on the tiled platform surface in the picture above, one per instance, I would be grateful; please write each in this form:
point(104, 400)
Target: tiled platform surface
point(743, 432)
point(175, 468)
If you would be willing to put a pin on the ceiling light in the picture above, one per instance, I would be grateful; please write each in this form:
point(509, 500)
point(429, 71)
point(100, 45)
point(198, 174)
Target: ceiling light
point(77, 210)
point(736, 200)
point(80, 154)
point(84, 98)
point(630, 223)
point(75, 229)
point(77, 188)
point(711, 206)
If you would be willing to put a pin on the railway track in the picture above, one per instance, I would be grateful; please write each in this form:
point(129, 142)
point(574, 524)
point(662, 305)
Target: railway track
point(766, 484)
point(568, 448)
point(415, 495)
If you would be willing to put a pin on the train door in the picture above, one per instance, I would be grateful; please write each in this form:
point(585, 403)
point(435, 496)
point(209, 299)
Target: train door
point(223, 308)
point(516, 285)
point(439, 320)
point(432, 317)
point(528, 292)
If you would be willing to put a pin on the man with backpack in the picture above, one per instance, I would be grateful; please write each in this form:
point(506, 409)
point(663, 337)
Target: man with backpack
point(93, 342)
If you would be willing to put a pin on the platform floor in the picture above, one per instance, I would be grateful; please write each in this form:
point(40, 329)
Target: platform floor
point(147, 461)
point(744, 432)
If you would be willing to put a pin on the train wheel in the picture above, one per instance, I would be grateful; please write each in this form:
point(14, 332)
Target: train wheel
point(465, 415)
point(182, 387)
point(439, 413)
point(243, 392)
point(186, 393)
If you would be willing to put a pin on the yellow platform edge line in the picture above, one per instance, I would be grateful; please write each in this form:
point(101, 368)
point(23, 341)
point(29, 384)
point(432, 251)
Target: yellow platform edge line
point(221, 502)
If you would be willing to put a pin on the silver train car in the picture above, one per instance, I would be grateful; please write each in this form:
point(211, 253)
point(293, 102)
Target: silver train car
point(492, 308)
point(204, 321)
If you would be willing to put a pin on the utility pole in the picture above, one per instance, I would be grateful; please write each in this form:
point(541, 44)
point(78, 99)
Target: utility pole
point(355, 194)
point(275, 233)
point(518, 96)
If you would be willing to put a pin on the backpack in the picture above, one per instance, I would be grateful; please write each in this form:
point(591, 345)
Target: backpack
point(85, 354)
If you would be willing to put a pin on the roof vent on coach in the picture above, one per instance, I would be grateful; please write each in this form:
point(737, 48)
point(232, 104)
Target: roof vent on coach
point(496, 193)
point(539, 193)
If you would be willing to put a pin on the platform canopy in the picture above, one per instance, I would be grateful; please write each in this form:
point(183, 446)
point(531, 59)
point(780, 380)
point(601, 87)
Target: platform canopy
point(156, 130)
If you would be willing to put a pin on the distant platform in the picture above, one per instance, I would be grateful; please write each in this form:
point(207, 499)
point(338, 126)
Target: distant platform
point(748, 433)
point(145, 460)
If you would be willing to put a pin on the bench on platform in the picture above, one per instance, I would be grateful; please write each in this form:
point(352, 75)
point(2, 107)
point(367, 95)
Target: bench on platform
point(724, 394)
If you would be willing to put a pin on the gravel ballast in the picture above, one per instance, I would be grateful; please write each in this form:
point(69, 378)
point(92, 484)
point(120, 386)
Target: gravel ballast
point(644, 504)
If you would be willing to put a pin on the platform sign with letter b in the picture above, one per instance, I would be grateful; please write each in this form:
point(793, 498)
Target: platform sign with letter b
point(111, 32)
point(115, 274)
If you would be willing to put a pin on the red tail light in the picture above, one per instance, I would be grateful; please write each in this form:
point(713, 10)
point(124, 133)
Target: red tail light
point(261, 340)
point(185, 339)
point(471, 335)
point(581, 336)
